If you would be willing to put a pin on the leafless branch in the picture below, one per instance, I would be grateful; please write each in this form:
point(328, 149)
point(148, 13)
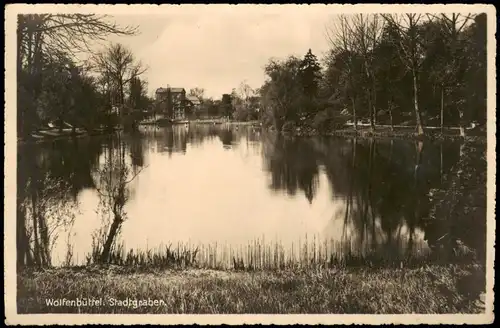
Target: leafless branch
point(136, 174)
point(68, 33)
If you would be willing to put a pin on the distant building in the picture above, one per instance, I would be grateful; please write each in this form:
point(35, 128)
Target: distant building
point(193, 103)
point(172, 102)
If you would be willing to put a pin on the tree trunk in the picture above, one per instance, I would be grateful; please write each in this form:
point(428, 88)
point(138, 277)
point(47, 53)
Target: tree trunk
point(390, 116)
point(44, 241)
point(122, 100)
point(461, 121)
point(37, 62)
point(110, 239)
point(462, 131)
point(20, 31)
point(20, 110)
point(36, 240)
point(30, 110)
point(29, 57)
point(420, 129)
point(374, 104)
point(354, 113)
point(22, 242)
point(442, 109)
point(370, 107)
point(61, 120)
point(462, 150)
point(441, 163)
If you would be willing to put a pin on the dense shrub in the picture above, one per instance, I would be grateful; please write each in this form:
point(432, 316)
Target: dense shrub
point(288, 127)
point(321, 121)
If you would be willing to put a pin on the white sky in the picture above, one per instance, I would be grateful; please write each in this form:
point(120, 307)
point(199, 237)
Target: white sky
point(218, 49)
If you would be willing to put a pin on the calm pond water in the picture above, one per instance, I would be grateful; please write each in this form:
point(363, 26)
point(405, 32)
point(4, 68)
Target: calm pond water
point(207, 184)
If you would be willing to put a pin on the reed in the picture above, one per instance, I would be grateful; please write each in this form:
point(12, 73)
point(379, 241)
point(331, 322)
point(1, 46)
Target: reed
point(262, 254)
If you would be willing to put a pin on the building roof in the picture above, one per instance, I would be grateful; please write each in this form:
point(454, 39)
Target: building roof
point(194, 100)
point(173, 90)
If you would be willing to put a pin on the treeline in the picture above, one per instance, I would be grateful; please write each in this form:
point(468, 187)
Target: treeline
point(409, 69)
point(56, 86)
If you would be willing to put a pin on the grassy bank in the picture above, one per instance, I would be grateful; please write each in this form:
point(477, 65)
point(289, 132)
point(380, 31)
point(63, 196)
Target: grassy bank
point(429, 289)
point(387, 133)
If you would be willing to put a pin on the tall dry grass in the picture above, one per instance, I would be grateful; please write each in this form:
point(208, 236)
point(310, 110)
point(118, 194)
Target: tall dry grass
point(262, 254)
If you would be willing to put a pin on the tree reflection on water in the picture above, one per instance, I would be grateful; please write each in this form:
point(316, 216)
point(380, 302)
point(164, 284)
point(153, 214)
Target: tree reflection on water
point(383, 185)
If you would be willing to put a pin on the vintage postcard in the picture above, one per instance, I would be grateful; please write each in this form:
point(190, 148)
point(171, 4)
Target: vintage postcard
point(243, 164)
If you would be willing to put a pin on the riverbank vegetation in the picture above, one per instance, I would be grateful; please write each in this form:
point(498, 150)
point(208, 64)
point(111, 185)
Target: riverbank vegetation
point(429, 289)
point(449, 220)
point(66, 83)
point(377, 71)
point(373, 80)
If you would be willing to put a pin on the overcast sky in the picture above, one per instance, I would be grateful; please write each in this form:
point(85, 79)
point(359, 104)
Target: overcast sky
point(218, 49)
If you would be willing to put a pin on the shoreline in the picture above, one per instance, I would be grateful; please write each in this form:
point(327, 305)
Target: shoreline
point(64, 136)
point(385, 134)
point(306, 132)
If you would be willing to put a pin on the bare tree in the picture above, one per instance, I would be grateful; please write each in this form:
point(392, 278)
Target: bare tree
point(367, 34)
point(410, 51)
point(56, 34)
point(245, 91)
point(197, 92)
point(453, 25)
point(340, 37)
point(118, 65)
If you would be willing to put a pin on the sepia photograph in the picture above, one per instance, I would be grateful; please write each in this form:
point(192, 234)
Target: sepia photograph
point(223, 164)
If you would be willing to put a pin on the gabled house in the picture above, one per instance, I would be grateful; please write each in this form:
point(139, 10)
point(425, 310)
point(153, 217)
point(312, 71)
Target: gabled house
point(172, 102)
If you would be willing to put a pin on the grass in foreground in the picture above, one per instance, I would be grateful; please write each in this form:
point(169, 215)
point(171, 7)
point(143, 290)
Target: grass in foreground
point(429, 289)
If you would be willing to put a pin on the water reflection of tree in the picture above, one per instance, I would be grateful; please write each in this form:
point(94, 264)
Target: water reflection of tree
point(49, 178)
point(384, 184)
point(231, 135)
point(49, 210)
point(227, 137)
point(70, 161)
point(395, 192)
point(199, 133)
point(292, 164)
point(135, 141)
point(113, 177)
point(361, 200)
